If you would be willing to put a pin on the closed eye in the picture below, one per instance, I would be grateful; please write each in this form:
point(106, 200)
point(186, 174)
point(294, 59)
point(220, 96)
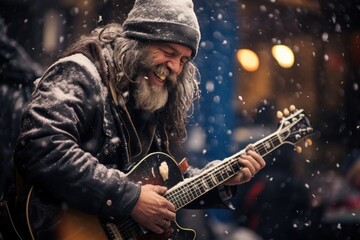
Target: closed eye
point(168, 53)
point(171, 52)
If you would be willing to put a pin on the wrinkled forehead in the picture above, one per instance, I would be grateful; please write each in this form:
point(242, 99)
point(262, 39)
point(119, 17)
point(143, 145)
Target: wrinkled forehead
point(177, 48)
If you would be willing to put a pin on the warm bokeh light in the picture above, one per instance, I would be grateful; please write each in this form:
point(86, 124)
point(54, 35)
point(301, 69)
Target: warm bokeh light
point(283, 55)
point(248, 59)
point(50, 33)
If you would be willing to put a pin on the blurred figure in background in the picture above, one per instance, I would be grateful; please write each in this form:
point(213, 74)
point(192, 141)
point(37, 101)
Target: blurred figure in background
point(352, 168)
point(17, 73)
point(277, 203)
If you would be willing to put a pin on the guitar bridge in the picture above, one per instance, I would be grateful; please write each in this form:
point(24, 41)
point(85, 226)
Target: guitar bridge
point(112, 232)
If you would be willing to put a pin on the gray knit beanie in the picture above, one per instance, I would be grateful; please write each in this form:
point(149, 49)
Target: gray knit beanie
point(164, 20)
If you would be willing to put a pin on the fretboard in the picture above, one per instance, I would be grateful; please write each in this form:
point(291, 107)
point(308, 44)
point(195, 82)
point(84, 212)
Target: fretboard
point(194, 187)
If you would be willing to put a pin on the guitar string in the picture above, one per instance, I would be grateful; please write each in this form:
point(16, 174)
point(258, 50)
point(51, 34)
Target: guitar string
point(193, 187)
point(127, 228)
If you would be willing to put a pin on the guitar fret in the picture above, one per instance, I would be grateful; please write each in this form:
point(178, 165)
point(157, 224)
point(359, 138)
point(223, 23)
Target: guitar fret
point(204, 182)
point(183, 195)
point(190, 191)
point(198, 189)
point(182, 199)
point(207, 182)
point(175, 197)
point(236, 167)
point(214, 180)
point(277, 142)
point(266, 146)
point(210, 181)
point(223, 174)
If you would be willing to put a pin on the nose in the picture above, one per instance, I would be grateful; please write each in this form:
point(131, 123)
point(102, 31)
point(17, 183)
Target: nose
point(175, 66)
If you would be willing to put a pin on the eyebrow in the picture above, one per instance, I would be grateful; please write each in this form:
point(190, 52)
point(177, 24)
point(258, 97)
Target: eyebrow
point(171, 47)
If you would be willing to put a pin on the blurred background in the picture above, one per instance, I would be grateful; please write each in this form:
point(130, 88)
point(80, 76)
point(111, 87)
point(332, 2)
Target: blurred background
point(256, 57)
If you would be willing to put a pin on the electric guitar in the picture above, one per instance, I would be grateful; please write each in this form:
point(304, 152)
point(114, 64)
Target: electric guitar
point(45, 221)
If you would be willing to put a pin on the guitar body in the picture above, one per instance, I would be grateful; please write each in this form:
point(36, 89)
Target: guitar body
point(45, 220)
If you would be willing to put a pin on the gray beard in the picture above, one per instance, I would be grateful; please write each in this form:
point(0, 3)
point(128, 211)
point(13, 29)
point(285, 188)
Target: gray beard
point(149, 97)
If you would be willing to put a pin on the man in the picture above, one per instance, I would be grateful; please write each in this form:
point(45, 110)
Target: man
point(120, 94)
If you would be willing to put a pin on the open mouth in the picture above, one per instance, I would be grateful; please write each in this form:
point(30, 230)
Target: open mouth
point(161, 74)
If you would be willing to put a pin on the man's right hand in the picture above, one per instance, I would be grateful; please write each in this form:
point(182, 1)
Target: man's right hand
point(152, 210)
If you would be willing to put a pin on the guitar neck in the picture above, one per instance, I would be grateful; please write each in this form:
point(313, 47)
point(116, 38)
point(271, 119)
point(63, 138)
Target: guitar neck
point(194, 187)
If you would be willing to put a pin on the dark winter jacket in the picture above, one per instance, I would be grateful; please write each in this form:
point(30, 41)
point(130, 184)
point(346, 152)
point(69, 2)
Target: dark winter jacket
point(74, 139)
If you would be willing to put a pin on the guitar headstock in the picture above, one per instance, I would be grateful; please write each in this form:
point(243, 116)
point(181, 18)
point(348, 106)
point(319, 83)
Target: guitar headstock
point(294, 127)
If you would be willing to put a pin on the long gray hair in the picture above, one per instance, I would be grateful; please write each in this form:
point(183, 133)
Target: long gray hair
point(129, 58)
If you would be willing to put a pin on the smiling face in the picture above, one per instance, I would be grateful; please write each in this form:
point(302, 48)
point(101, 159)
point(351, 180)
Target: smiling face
point(168, 60)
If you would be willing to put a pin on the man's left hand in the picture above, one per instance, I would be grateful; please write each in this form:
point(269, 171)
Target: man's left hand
point(251, 163)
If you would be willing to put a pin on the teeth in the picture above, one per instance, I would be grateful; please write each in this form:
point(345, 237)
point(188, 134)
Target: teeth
point(162, 77)
point(160, 74)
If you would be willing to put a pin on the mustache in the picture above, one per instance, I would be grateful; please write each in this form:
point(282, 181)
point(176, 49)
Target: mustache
point(163, 70)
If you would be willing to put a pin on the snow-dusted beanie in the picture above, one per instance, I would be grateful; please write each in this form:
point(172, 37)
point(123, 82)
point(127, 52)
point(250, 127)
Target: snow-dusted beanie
point(164, 20)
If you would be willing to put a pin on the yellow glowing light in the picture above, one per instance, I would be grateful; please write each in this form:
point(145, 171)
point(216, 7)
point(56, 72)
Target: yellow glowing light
point(283, 55)
point(248, 59)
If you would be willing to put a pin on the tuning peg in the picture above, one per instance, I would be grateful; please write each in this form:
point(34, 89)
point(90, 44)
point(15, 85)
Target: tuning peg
point(308, 142)
point(286, 112)
point(279, 114)
point(292, 108)
point(298, 149)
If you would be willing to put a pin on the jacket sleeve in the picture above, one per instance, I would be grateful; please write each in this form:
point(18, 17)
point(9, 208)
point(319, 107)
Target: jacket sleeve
point(50, 153)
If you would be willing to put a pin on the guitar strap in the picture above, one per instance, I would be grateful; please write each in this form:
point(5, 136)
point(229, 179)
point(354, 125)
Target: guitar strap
point(7, 209)
point(6, 216)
